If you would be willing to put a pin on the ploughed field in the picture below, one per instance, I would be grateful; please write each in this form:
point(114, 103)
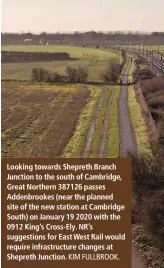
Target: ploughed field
point(38, 120)
point(95, 60)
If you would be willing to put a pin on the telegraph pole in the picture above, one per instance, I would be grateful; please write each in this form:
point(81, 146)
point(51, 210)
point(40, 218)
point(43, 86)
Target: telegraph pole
point(158, 50)
point(147, 56)
point(161, 62)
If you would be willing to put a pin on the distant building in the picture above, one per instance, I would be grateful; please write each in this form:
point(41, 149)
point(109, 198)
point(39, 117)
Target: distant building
point(28, 41)
point(42, 42)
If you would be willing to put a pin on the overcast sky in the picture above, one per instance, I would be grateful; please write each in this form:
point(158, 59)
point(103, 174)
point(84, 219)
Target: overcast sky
point(82, 15)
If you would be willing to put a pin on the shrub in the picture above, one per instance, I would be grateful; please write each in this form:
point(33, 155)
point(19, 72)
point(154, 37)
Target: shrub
point(140, 60)
point(82, 74)
point(153, 85)
point(146, 73)
point(106, 75)
point(135, 211)
point(147, 175)
point(148, 195)
point(34, 75)
point(42, 75)
point(55, 77)
point(78, 75)
point(72, 74)
point(111, 74)
point(39, 74)
point(47, 76)
point(123, 53)
point(114, 72)
point(136, 74)
point(153, 216)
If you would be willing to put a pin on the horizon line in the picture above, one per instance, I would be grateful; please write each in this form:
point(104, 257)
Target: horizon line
point(75, 31)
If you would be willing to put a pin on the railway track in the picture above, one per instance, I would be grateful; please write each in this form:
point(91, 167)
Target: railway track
point(155, 61)
point(154, 58)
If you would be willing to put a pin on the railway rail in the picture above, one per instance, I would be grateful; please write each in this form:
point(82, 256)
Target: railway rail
point(155, 58)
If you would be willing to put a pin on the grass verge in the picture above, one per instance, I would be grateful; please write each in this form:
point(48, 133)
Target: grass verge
point(132, 69)
point(138, 123)
point(125, 66)
point(113, 127)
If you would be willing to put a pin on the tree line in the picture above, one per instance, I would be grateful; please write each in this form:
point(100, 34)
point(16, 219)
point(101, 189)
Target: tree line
point(88, 33)
point(18, 38)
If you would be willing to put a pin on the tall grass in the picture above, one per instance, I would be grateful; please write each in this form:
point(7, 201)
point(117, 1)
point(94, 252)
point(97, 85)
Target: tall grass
point(113, 127)
point(139, 123)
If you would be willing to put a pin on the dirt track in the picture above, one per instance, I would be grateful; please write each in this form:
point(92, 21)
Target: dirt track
point(92, 127)
point(127, 138)
point(104, 132)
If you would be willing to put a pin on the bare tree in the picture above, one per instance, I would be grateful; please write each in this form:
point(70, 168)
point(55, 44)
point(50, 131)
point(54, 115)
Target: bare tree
point(82, 74)
point(72, 74)
point(111, 73)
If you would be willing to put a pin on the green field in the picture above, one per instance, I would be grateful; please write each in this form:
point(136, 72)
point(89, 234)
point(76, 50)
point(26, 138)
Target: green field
point(95, 60)
point(77, 52)
point(23, 70)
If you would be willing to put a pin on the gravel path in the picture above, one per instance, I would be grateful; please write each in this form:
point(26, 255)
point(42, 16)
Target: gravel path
point(127, 138)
